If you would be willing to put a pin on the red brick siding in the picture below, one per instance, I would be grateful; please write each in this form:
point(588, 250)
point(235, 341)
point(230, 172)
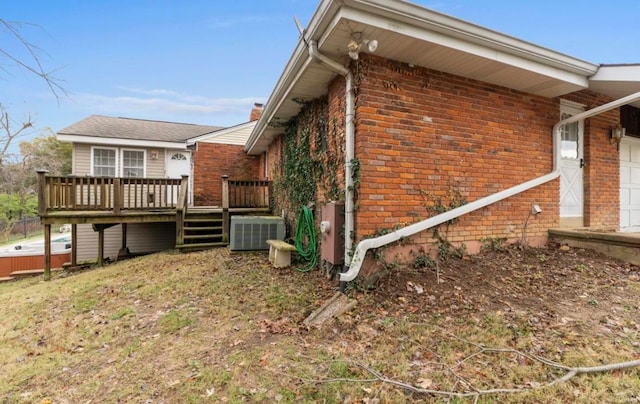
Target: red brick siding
point(274, 157)
point(421, 131)
point(212, 161)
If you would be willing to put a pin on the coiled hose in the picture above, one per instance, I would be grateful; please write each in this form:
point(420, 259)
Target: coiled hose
point(305, 232)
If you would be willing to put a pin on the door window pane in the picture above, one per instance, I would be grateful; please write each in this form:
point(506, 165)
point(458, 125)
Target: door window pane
point(569, 139)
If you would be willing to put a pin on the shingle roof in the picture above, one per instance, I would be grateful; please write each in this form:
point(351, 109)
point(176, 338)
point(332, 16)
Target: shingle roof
point(137, 129)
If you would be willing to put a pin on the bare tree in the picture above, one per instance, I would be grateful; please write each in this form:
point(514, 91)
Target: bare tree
point(10, 130)
point(31, 62)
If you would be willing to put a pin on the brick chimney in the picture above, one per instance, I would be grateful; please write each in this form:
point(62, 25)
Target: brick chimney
point(256, 111)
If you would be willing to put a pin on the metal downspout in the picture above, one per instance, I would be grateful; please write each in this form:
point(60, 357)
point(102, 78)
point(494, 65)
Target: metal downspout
point(349, 145)
point(365, 245)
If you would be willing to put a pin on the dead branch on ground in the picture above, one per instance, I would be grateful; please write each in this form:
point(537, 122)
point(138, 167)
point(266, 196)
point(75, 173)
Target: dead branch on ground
point(473, 392)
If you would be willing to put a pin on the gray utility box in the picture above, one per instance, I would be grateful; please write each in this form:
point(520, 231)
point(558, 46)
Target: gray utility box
point(252, 232)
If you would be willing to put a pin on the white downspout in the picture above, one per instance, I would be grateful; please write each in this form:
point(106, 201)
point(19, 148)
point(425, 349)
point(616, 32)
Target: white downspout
point(349, 154)
point(367, 244)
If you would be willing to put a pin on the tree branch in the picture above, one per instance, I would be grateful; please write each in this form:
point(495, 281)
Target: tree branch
point(476, 393)
point(34, 52)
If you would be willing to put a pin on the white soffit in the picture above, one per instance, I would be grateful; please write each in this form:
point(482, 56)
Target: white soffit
point(617, 81)
point(493, 58)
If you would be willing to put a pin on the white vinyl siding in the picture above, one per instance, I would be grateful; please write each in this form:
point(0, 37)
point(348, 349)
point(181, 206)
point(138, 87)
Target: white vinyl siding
point(234, 136)
point(141, 238)
point(82, 159)
point(155, 159)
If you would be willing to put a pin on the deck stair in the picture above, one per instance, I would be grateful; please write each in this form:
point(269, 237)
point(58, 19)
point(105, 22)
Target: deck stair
point(203, 229)
point(27, 273)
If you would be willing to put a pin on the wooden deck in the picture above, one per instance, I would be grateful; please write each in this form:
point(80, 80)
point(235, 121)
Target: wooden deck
point(106, 201)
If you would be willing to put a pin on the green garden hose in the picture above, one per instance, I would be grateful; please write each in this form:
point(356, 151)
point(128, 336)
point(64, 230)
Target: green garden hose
point(305, 232)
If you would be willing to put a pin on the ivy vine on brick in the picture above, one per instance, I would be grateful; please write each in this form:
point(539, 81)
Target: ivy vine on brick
point(312, 157)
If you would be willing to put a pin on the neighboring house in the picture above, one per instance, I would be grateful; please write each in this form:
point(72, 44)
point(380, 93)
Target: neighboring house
point(430, 112)
point(135, 148)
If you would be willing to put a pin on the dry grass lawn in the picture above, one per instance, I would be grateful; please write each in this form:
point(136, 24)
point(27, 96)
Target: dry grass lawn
point(216, 327)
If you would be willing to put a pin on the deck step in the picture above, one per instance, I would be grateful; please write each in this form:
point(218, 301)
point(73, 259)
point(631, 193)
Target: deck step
point(31, 272)
point(217, 229)
point(6, 278)
point(202, 230)
point(201, 236)
point(200, 246)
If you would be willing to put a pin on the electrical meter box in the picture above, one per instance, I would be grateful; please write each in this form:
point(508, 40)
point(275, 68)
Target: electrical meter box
point(332, 230)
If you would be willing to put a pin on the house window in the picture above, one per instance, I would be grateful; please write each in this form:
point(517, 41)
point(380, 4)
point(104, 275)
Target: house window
point(133, 163)
point(104, 162)
point(569, 145)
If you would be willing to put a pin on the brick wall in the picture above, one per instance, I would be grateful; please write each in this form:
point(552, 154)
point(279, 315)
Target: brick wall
point(212, 161)
point(422, 134)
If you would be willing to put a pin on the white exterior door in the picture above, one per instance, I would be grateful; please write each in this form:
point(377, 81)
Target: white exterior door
point(630, 185)
point(178, 164)
point(571, 170)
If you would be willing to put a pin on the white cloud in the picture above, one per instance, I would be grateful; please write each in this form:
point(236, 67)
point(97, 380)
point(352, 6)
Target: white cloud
point(165, 104)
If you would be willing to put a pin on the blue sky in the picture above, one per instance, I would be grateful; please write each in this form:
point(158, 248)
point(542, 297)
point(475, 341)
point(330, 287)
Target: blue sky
point(208, 61)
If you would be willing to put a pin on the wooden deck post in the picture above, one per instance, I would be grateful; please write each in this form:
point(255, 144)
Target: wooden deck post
point(47, 252)
point(101, 246)
point(225, 208)
point(124, 235)
point(42, 192)
point(74, 245)
point(181, 209)
point(117, 196)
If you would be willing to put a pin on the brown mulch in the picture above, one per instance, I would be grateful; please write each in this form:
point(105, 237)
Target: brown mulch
point(550, 285)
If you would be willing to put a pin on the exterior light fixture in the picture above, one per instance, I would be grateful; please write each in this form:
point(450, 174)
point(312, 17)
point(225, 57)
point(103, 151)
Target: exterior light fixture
point(355, 45)
point(536, 209)
point(617, 134)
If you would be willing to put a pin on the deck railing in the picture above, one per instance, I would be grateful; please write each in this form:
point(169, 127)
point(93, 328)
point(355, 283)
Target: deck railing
point(250, 194)
point(92, 194)
point(59, 193)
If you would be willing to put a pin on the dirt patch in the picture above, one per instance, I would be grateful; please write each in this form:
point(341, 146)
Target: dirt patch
point(551, 286)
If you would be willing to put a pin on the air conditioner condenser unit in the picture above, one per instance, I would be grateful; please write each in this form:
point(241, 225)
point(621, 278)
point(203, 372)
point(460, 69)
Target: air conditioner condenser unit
point(252, 232)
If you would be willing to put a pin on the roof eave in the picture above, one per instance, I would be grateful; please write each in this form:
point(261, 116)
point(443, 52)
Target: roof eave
point(401, 15)
point(63, 137)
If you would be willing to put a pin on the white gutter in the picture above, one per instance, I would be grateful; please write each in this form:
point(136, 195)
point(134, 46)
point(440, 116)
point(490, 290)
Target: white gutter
point(110, 141)
point(349, 153)
point(377, 242)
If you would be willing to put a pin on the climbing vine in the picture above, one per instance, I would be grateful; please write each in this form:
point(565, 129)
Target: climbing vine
point(436, 205)
point(312, 156)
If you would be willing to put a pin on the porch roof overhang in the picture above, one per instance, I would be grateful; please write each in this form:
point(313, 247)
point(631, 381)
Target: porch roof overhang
point(416, 36)
point(119, 142)
point(617, 81)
